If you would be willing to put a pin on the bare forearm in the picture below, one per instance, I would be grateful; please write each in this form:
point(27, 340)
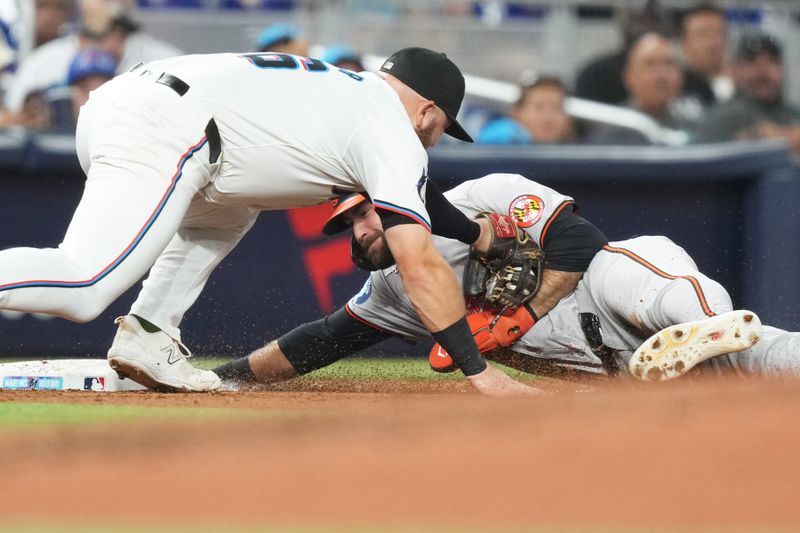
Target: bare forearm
point(265, 365)
point(428, 280)
point(269, 364)
point(555, 286)
point(485, 237)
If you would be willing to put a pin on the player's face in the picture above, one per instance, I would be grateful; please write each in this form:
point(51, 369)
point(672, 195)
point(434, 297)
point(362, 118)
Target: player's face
point(368, 232)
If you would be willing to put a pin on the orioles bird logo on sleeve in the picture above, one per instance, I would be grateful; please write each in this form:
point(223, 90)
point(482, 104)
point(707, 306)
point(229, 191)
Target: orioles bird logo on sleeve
point(526, 210)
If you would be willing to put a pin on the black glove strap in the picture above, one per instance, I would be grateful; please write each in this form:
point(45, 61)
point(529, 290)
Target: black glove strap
point(590, 325)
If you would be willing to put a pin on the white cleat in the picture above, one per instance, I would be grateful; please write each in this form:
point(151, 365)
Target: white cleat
point(675, 350)
point(156, 360)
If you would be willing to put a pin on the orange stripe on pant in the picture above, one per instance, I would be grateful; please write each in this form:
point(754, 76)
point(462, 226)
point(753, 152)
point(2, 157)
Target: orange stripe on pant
point(695, 284)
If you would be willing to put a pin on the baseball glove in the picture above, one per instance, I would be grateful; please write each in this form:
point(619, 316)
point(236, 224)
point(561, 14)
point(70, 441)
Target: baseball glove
point(505, 235)
point(515, 279)
point(476, 274)
point(508, 275)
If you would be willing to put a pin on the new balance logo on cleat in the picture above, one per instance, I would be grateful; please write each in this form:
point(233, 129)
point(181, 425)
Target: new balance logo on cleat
point(170, 351)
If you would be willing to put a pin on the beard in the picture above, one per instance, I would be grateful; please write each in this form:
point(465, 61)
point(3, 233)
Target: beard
point(378, 252)
point(425, 135)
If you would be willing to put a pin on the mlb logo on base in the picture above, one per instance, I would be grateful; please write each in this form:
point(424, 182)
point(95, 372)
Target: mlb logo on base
point(95, 384)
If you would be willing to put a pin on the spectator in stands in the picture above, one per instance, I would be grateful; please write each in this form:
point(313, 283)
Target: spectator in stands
point(757, 110)
point(343, 56)
point(653, 79)
point(122, 38)
point(51, 17)
point(34, 113)
point(282, 38)
point(537, 117)
point(601, 79)
point(8, 45)
point(107, 24)
point(90, 69)
point(57, 110)
point(704, 45)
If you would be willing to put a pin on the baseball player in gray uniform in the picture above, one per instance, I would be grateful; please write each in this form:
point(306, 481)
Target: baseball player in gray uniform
point(182, 154)
point(641, 307)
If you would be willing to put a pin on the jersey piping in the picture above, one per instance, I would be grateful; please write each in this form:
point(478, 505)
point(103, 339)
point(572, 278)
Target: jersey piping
point(691, 279)
point(403, 211)
point(366, 322)
point(128, 249)
point(550, 220)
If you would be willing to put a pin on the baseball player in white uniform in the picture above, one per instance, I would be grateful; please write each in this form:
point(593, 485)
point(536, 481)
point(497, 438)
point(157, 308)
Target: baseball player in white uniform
point(181, 155)
point(633, 292)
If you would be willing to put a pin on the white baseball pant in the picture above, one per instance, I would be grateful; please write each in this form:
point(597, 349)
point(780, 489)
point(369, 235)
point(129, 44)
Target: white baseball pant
point(146, 155)
point(640, 286)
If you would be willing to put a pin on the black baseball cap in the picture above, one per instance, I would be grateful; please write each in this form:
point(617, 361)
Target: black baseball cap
point(433, 76)
point(753, 44)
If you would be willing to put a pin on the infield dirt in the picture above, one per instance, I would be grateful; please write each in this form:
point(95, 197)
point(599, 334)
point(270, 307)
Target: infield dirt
point(685, 455)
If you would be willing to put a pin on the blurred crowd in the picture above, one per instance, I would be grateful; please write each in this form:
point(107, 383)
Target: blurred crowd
point(675, 72)
point(678, 75)
point(78, 45)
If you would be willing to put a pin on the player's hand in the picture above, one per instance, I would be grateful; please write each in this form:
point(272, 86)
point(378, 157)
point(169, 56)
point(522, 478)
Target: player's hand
point(499, 235)
point(496, 383)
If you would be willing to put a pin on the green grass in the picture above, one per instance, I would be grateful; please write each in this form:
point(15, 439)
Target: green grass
point(413, 369)
point(372, 368)
point(14, 415)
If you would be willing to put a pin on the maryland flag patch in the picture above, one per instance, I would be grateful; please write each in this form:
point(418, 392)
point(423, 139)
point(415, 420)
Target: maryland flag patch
point(526, 210)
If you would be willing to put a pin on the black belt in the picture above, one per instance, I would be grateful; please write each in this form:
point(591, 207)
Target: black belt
point(590, 325)
point(181, 88)
point(174, 83)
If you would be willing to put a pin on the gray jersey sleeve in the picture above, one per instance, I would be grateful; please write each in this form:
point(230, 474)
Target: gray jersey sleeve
point(382, 301)
point(383, 304)
point(531, 204)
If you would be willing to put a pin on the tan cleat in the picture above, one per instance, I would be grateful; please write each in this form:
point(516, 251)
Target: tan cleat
point(675, 350)
point(156, 360)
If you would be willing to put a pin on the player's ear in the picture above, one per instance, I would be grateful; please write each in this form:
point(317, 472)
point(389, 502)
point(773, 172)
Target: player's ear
point(426, 113)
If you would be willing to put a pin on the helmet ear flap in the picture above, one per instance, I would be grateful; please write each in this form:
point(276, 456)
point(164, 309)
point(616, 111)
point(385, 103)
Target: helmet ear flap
point(359, 257)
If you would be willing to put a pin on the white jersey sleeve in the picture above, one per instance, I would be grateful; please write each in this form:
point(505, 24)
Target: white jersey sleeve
point(532, 205)
point(386, 152)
